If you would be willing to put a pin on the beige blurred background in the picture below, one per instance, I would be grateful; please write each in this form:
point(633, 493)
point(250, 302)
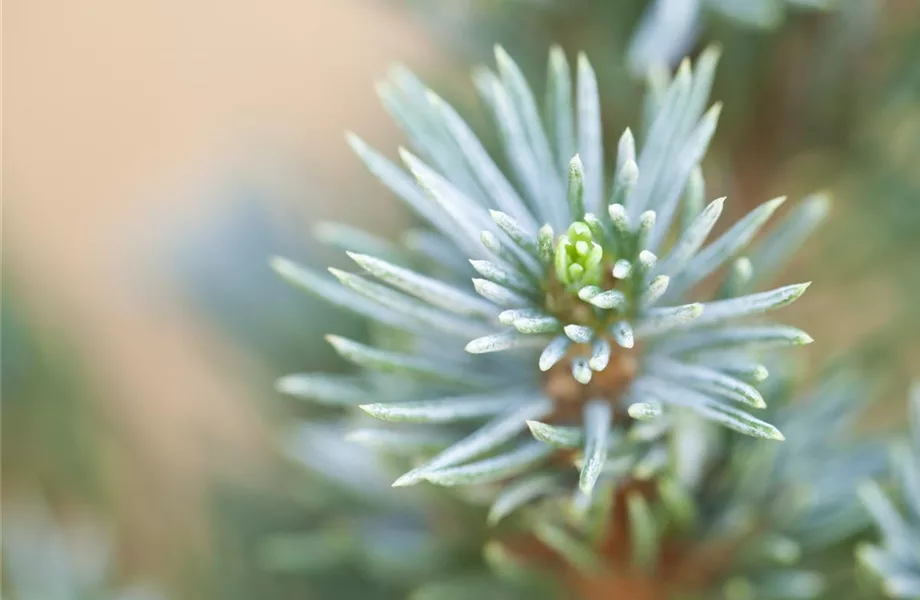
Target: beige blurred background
point(113, 110)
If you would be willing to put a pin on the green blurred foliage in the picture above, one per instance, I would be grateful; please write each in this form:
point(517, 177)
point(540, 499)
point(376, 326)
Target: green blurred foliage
point(58, 539)
point(51, 427)
point(47, 557)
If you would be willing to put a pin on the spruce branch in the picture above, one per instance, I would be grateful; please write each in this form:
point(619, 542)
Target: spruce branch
point(896, 559)
point(563, 293)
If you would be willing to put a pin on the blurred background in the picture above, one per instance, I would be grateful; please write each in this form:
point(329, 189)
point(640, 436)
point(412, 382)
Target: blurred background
point(156, 153)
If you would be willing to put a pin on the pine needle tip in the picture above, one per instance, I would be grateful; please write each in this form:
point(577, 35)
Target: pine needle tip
point(280, 264)
point(410, 478)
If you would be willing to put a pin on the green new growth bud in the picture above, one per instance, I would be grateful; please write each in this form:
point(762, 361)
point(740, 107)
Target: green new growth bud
point(578, 258)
